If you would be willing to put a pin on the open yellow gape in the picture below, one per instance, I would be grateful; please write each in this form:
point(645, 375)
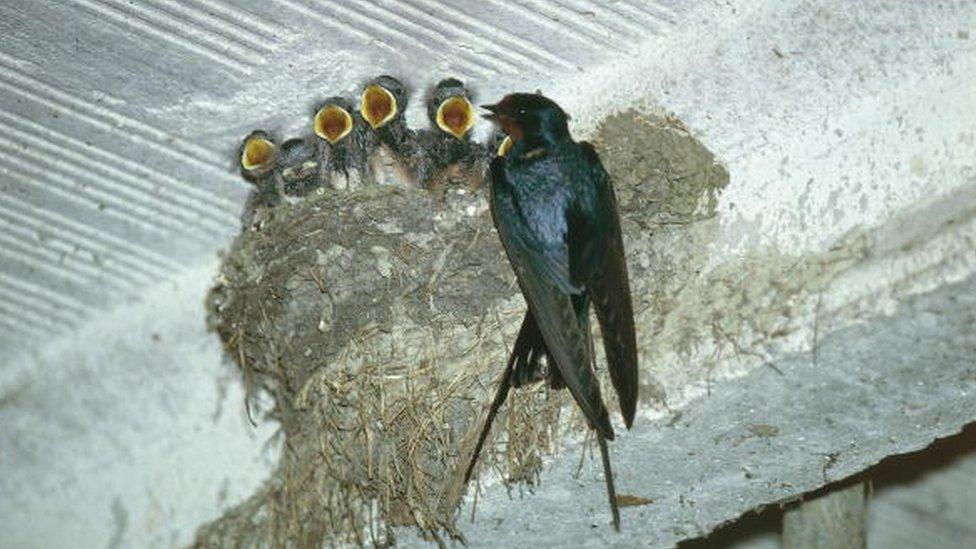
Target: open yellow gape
point(332, 123)
point(378, 106)
point(258, 154)
point(455, 115)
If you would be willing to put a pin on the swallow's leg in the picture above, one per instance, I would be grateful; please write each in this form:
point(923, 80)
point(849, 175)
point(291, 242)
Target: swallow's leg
point(608, 476)
point(500, 395)
point(528, 349)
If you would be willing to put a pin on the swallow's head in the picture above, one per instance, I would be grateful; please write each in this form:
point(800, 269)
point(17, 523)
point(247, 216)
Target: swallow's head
point(258, 153)
point(297, 159)
point(333, 120)
point(529, 115)
point(449, 107)
point(383, 100)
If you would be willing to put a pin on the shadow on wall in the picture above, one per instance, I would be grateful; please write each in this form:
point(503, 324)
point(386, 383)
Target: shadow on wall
point(906, 488)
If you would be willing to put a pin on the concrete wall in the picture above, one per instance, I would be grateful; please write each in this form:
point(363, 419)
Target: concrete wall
point(831, 117)
point(129, 432)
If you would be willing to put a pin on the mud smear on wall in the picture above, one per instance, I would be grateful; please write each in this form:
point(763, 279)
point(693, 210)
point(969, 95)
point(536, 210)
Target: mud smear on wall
point(699, 322)
point(380, 320)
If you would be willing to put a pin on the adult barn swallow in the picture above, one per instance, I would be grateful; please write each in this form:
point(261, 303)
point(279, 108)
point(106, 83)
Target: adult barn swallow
point(390, 144)
point(447, 152)
point(556, 213)
point(342, 133)
point(298, 167)
point(257, 160)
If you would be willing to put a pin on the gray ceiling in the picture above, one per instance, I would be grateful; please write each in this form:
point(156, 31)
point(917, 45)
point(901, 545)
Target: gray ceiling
point(121, 117)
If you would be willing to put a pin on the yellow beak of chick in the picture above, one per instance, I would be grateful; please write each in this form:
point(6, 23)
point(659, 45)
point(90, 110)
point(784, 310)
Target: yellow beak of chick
point(455, 115)
point(258, 154)
point(505, 146)
point(332, 123)
point(378, 106)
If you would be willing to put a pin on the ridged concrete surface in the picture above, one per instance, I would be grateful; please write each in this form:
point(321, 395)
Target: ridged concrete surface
point(121, 117)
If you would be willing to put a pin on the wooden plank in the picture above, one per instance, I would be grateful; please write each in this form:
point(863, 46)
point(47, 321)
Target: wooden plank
point(834, 520)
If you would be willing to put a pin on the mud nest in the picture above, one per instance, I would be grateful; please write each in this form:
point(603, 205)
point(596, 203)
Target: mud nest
point(380, 319)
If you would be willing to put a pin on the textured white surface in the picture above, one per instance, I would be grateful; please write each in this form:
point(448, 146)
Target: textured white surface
point(129, 432)
point(122, 118)
point(118, 178)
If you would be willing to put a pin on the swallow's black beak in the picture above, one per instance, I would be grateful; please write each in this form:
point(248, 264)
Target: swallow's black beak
point(493, 114)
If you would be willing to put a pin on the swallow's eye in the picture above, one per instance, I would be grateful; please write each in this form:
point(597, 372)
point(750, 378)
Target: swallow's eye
point(521, 112)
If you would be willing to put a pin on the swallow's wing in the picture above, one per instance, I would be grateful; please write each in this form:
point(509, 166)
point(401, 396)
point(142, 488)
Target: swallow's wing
point(552, 308)
point(609, 290)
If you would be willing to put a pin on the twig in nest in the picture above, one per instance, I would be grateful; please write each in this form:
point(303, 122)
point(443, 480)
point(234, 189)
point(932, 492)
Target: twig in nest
point(318, 281)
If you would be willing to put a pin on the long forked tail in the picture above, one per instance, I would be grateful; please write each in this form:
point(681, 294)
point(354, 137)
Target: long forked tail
point(602, 440)
point(504, 384)
point(608, 477)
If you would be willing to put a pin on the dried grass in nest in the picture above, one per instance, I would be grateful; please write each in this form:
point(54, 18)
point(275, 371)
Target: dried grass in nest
point(375, 449)
point(375, 318)
point(388, 448)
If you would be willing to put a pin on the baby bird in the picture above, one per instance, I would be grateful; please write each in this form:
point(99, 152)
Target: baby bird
point(447, 154)
point(498, 144)
point(390, 145)
point(342, 134)
point(257, 159)
point(298, 167)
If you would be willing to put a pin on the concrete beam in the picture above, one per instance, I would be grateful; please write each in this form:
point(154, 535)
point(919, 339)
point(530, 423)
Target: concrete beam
point(890, 385)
